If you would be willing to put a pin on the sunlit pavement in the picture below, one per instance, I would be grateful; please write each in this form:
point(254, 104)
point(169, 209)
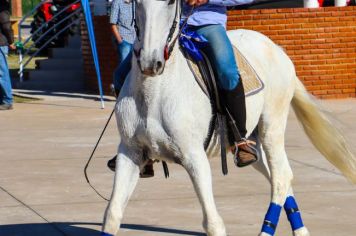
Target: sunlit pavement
point(44, 146)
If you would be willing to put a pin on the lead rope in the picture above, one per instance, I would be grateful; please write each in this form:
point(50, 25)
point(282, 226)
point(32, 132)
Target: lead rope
point(133, 22)
point(92, 154)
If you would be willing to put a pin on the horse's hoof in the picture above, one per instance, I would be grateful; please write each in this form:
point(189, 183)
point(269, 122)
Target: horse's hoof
point(217, 232)
point(215, 228)
point(264, 234)
point(223, 233)
point(301, 232)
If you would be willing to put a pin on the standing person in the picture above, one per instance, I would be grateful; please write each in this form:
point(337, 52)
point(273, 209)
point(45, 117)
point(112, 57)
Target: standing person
point(122, 27)
point(121, 20)
point(208, 18)
point(6, 42)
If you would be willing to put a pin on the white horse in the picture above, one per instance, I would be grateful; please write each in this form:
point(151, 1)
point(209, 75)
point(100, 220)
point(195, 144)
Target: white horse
point(163, 114)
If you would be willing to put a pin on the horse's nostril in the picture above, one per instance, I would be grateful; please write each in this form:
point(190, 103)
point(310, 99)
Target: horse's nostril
point(159, 65)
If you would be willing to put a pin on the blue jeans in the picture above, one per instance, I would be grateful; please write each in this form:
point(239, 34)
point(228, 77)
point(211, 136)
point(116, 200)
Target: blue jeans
point(5, 81)
point(124, 50)
point(221, 54)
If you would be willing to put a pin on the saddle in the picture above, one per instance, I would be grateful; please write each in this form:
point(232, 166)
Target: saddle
point(204, 75)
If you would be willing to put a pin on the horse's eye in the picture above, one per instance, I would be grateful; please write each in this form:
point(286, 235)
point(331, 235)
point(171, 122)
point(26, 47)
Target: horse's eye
point(171, 2)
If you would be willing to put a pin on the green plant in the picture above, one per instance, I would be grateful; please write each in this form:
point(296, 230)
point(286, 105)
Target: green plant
point(28, 5)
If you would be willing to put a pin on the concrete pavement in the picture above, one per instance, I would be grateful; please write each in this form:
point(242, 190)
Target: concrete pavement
point(45, 144)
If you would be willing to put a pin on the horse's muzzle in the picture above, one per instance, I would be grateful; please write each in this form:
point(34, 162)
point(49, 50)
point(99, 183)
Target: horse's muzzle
point(149, 67)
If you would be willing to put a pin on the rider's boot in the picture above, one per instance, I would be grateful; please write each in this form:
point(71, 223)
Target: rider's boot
point(244, 149)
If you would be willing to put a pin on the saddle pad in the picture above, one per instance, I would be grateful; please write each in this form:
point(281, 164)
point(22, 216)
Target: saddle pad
point(250, 80)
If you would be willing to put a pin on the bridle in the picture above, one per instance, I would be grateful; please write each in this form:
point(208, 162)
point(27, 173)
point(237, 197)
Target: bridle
point(169, 47)
point(170, 42)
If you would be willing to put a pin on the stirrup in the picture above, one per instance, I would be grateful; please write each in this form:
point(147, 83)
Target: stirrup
point(248, 147)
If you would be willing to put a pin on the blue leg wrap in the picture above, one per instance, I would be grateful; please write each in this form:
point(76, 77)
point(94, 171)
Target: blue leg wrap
point(105, 234)
point(293, 213)
point(271, 219)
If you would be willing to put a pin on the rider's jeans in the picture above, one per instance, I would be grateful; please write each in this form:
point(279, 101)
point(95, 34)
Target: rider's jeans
point(124, 50)
point(221, 53)
point(5, 81)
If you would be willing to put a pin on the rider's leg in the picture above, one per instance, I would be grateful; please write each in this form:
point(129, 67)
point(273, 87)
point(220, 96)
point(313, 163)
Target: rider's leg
point(221, 53)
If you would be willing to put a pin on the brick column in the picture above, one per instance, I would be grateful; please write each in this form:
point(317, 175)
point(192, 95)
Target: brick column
point(16, 8)
point(106, 51)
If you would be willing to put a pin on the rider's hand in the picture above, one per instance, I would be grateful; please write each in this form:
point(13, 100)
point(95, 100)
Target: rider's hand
point(196, 2)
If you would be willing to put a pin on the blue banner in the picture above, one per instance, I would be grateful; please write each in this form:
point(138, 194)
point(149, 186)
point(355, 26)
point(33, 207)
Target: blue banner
point(91, 35)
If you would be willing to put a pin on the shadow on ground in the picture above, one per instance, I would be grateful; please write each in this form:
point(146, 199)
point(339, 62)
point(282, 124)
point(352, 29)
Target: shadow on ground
point(65, 94)
point(82, 229)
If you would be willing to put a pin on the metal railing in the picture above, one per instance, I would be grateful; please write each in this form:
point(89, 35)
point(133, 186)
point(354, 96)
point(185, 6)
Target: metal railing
point(23, 53)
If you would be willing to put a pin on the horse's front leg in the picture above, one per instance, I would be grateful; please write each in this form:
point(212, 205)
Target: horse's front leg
point(197, 165)
point(126, 176)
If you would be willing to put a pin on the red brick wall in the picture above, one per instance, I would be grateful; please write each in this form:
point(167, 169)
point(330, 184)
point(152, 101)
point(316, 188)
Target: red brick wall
point(106, 52)
point(321, 42)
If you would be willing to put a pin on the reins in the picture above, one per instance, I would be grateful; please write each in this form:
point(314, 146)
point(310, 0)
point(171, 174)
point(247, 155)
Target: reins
point(169, 48)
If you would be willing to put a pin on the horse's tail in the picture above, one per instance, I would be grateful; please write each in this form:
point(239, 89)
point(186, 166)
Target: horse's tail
point(323, 134)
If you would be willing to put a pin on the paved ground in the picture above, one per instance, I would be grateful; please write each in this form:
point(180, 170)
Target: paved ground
point(44, 146)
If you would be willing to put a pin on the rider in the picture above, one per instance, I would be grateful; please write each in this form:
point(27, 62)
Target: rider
point(208, 18)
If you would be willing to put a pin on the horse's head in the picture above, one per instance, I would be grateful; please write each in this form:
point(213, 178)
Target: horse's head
point(154, 21)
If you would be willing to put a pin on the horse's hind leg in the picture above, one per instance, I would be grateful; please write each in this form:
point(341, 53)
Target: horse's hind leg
point(272, 131)
point(126, 177)
point(290, 206)
point(197, 165)
point(294, 215)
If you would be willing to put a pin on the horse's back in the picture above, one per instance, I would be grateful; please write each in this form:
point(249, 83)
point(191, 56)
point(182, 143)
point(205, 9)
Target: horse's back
point(263, 54)
point(272, 65)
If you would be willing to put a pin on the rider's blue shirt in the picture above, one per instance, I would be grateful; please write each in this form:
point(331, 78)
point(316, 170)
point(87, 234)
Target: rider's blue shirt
point(212, 13)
